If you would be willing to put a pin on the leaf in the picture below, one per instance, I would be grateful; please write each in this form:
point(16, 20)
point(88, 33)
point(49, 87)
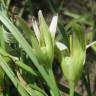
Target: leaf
point(25, 67)
point(29, 34)
point(18, 62)
point(78, 37)
point(37, 88)
point(2, 44)
point(28, 69)
point(12, 76)
point(26, 47)
point(82, 19)
point(33, 90)
point(2, 41)
point(64, 34)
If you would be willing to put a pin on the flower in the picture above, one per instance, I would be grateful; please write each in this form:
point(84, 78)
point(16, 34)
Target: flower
point(72, 63)
point(45, 37)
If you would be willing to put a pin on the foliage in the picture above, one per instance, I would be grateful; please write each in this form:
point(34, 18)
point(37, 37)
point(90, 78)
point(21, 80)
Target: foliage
point(27, 53)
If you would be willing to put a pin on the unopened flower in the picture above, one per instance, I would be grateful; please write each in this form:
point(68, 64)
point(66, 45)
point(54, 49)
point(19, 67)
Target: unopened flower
point(45, 37)
point(73, 62)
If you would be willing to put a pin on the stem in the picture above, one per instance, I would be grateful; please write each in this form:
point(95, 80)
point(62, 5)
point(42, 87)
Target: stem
point(86, 85)
point(54, 86)
point(22, 9)
point(1, 90)
point(8, 4)
point(72, 88)
point(51, 7)
point(66, 89)
point(61, 5)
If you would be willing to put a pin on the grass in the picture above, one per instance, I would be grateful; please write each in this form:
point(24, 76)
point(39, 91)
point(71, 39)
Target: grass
point(31, 70)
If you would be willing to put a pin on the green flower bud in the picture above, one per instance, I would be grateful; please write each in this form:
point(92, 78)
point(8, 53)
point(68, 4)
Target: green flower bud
point(73, 62)
point(45, 37)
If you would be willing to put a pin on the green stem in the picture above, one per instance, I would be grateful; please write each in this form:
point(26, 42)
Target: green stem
point(22, 9)
point(51, 7)
point(66, 89)
point(86, 85)
point(72, 88)
point(54, 86)
point(61, 5)
point(8, 4)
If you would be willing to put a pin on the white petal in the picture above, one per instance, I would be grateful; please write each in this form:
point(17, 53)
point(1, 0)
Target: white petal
point(61, 46)
point(91, 44)
point(36, 29)
point(53, 26)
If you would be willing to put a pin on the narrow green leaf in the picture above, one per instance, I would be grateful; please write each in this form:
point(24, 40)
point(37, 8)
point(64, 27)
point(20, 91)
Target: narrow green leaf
point(27, 48)
point(18, 63)
point(28, 33)
point(78, 37)
point(64, 34)
point(25, 67)
point(2, 41)
point(13, 78)
point(37, 88)
point(34, 92)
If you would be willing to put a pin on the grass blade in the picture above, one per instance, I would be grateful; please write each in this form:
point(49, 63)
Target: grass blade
point(13, 78)
point(27, 48)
